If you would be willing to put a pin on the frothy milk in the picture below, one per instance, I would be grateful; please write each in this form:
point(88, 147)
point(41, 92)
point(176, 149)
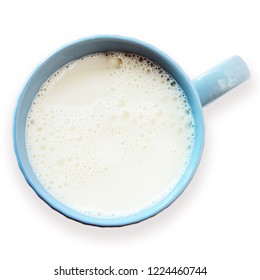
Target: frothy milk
point(109, 134)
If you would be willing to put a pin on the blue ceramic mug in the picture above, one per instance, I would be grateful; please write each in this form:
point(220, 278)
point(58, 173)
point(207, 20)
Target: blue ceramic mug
point(200, 91)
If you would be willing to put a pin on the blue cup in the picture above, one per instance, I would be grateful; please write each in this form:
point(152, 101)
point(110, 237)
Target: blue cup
point(200, 91)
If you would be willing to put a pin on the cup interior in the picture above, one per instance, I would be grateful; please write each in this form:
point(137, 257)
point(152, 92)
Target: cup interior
point(76, 50)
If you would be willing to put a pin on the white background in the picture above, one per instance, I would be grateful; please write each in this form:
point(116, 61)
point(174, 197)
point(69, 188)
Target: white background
point(216, 221)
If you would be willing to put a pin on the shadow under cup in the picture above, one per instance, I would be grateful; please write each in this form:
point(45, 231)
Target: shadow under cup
point(76, 50)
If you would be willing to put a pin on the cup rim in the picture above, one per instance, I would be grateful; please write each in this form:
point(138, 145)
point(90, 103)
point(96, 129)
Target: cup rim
point(147, 212)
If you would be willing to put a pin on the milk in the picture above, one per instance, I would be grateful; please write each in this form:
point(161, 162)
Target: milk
point(109, 134)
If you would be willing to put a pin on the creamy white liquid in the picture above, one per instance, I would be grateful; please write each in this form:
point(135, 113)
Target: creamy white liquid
point(109, 134)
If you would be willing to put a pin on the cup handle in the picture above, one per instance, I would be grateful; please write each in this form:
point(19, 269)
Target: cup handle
point(220, 79)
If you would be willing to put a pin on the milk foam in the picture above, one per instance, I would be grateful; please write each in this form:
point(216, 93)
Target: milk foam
point(109, 134)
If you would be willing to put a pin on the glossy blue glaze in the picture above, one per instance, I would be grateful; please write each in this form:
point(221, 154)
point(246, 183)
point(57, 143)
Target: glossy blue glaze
point(220, 79)
point(97, 44)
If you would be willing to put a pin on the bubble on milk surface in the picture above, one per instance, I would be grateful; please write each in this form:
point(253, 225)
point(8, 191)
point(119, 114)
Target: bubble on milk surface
point(75, 150)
